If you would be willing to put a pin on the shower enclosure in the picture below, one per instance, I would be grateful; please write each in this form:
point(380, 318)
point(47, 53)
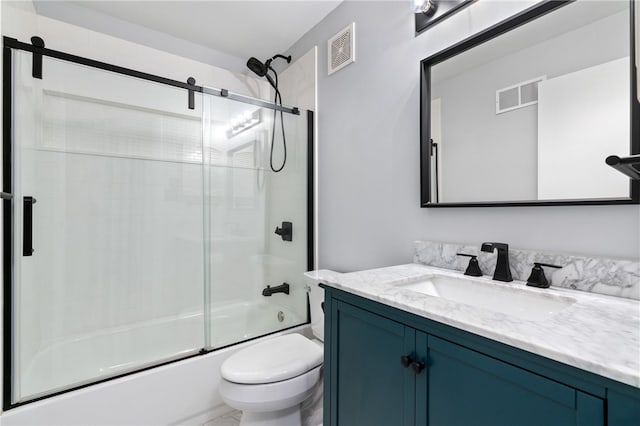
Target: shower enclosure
point(138, 220)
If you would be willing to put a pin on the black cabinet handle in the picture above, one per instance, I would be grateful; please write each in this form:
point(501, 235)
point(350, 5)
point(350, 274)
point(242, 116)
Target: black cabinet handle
point(417, 366)
point(27, 223)
point(406, 361)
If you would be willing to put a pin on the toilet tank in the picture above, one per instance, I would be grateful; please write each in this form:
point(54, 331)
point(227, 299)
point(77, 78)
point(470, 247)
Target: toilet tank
point(316, 299)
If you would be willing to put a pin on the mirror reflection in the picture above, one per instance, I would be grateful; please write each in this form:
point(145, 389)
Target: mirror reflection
point(532, 114)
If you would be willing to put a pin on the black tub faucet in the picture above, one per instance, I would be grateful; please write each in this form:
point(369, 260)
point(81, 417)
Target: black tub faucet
point(502, 272)
point(282, 288)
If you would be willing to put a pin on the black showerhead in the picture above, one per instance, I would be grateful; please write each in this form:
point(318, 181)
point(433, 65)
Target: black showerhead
point(257, 67)
point(262, 70)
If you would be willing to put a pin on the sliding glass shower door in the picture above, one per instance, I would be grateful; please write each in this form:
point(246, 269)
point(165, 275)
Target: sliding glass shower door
point(139, 221)
point(245, 201)
point(107, 225)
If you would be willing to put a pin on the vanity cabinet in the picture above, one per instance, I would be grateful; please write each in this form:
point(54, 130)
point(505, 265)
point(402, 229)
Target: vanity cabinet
point(464, 387)
point(384, 366)
point(370, 384)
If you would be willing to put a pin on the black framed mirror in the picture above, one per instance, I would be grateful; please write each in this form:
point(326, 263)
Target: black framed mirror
point(525, 112)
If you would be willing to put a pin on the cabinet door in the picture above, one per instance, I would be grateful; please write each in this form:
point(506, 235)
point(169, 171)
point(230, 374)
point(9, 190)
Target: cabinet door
point(368, 384)
point(466, 388)
point(623, 409)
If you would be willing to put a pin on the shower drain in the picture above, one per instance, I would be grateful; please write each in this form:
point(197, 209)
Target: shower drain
point(280, 316)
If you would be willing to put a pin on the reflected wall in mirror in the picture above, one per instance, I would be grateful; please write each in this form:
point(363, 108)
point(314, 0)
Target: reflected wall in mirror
point(527, 111)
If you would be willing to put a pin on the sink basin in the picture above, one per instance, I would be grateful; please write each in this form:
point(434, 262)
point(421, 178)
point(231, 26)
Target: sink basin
point(521, 303)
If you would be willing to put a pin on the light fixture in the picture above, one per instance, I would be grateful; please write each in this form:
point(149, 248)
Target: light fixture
point(428, 7)
point(429, 12)
point(242, 122)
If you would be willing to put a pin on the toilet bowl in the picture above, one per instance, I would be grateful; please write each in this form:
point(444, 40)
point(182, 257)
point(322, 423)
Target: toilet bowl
point(269, 380)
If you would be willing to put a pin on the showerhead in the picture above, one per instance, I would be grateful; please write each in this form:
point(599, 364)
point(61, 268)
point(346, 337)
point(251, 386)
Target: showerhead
point(261, 70)
point(257, 67)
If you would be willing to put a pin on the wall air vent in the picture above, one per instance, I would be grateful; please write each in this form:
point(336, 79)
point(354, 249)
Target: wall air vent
point(518, 96)
point(341, 49)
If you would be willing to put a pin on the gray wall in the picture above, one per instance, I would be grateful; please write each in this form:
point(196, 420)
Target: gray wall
point(501, 150)
point(368, 136)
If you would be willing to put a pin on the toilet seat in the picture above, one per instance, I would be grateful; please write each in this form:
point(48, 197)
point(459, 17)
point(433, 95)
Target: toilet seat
point(274, 360)
point(270, 380)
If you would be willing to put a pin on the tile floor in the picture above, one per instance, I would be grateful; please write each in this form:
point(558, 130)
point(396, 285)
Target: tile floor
point(229, 419)
point(311, 412)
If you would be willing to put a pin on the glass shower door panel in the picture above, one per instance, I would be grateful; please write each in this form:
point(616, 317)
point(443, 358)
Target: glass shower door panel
point(242, 209)
point(114, 282)
point(286, 261)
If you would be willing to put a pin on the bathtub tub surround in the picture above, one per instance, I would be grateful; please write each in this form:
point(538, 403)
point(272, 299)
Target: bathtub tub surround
point(481, 340)
point(78, 309)
point(612, 277)
point(175, 404)
point(88, 351)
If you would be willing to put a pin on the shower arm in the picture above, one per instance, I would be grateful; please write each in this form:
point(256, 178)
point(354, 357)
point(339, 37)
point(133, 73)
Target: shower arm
point(286, 58)
point(267, 64)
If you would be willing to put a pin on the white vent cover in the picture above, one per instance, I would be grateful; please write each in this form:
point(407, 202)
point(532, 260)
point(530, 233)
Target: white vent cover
point(518, 96)
point(341, 49)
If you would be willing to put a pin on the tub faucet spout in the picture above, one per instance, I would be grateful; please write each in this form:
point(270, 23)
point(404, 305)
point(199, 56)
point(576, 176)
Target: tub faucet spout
point(283, 288)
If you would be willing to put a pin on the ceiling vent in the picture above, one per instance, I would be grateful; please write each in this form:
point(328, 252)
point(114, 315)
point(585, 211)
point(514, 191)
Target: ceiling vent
point(341, 49)
point(518, 96)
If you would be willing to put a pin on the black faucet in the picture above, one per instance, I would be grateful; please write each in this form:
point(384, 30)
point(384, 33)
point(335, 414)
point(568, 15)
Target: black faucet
point(473, 268)
point(537, 277)
point(502, 272)
point(282, 288)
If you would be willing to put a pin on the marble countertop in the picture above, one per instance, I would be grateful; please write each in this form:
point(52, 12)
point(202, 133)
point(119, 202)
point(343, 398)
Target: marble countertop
point(597, 333)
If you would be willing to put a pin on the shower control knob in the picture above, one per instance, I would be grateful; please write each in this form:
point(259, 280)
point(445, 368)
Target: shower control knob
point(285, 231)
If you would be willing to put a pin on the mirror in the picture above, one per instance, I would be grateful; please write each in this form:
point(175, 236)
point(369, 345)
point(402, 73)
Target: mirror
point(527, 111)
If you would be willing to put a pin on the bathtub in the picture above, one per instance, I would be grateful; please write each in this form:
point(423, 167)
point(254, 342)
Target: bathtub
point(233, 322)
point(183, 391)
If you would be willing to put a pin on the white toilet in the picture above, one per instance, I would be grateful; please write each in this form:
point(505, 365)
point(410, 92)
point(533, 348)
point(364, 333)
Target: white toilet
point(269, 380)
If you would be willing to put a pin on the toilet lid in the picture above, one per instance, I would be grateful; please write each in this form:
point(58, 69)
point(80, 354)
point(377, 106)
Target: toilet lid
point(274, 360)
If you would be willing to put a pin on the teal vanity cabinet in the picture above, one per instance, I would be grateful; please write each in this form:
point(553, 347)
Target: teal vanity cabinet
point(370, 386)
point(466, 388)
point(387, 367)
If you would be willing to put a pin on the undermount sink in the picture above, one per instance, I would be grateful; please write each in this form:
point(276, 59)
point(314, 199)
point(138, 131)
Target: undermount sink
point(522, 303)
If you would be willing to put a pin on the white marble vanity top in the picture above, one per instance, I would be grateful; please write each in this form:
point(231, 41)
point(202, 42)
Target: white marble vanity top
point(597, 333)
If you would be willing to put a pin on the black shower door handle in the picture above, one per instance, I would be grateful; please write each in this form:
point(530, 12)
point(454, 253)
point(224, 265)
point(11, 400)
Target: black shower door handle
point(27, 223)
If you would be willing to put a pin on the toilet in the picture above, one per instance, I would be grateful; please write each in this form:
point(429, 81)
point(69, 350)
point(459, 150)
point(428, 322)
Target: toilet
point(269, 380)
